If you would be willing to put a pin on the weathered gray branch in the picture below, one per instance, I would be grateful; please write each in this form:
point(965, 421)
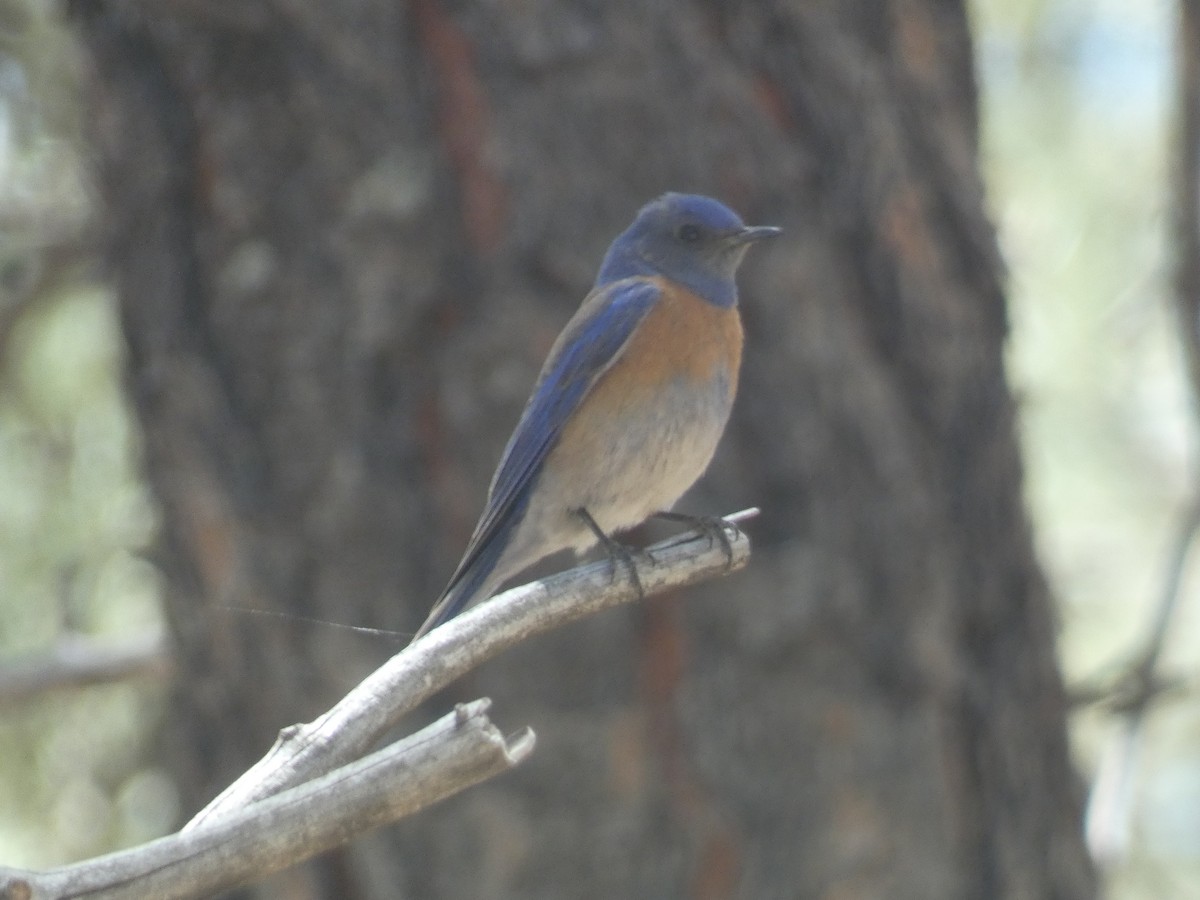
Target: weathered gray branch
point(313, 792)
point(455, 752)
point(447, 653)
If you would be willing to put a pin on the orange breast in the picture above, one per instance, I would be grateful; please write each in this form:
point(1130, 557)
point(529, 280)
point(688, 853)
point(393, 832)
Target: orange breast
point(686, 337)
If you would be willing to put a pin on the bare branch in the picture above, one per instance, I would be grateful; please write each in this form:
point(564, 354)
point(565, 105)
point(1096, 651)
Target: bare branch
point(449, 651)
point(312, 792)
point(76, 660)
point(459, 750)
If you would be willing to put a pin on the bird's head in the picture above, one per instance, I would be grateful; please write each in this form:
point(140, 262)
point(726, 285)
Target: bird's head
point(687, 238)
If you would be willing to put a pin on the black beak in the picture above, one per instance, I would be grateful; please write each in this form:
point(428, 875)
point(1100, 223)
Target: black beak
point(756, 233)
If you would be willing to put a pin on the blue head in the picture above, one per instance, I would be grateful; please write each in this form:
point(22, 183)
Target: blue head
point(686, 238)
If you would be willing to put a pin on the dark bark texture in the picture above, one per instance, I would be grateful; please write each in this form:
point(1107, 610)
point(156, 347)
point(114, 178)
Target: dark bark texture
point(344, 235)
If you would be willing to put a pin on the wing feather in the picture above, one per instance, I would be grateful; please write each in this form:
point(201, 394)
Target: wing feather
point(589, 345)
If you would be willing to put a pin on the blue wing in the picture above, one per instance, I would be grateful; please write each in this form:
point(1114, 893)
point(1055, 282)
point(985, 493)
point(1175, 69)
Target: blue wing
point(591, 342)
point(589, 345)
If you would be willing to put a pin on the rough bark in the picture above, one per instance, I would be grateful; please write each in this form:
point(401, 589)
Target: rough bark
point(344, 236)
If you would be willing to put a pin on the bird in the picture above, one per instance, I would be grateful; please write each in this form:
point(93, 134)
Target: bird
point(630, 404)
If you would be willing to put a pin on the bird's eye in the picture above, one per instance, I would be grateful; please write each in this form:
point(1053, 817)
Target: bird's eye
point(689, 234)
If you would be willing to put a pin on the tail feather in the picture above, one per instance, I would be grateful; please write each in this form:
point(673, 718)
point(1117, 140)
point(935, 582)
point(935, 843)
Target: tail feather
point(478, 580)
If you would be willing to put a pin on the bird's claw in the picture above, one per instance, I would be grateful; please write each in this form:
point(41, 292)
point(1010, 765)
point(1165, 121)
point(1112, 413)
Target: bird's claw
point(617, 552)
point(716, 528)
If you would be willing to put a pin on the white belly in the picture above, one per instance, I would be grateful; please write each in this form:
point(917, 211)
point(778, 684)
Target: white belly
point(651, 457)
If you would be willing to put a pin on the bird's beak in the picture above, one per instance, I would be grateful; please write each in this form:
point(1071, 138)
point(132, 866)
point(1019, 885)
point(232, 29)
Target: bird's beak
point(756, 233)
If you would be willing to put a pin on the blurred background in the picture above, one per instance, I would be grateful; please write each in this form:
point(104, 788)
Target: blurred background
point(1077, 109)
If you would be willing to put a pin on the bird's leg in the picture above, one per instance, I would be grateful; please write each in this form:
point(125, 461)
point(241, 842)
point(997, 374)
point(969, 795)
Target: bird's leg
point(614, 549)
point(713, 526)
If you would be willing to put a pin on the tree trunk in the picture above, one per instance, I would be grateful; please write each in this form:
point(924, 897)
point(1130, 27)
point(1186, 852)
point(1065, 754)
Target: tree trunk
point(344, 236)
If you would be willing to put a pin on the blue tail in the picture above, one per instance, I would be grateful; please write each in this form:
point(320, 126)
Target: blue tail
point(477, 577)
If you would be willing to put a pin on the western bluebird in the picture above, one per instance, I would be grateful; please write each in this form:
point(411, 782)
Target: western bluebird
point(629, 407)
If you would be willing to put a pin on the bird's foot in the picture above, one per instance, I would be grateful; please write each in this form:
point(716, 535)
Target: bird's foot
point(617, 552)
point(716, 528)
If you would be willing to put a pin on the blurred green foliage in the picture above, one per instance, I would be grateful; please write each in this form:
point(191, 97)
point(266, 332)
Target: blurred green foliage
point(1076, 123)
point(76, 776)
point(73, 515)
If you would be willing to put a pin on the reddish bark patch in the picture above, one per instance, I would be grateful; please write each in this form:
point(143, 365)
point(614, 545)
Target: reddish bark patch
point(463, 125)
